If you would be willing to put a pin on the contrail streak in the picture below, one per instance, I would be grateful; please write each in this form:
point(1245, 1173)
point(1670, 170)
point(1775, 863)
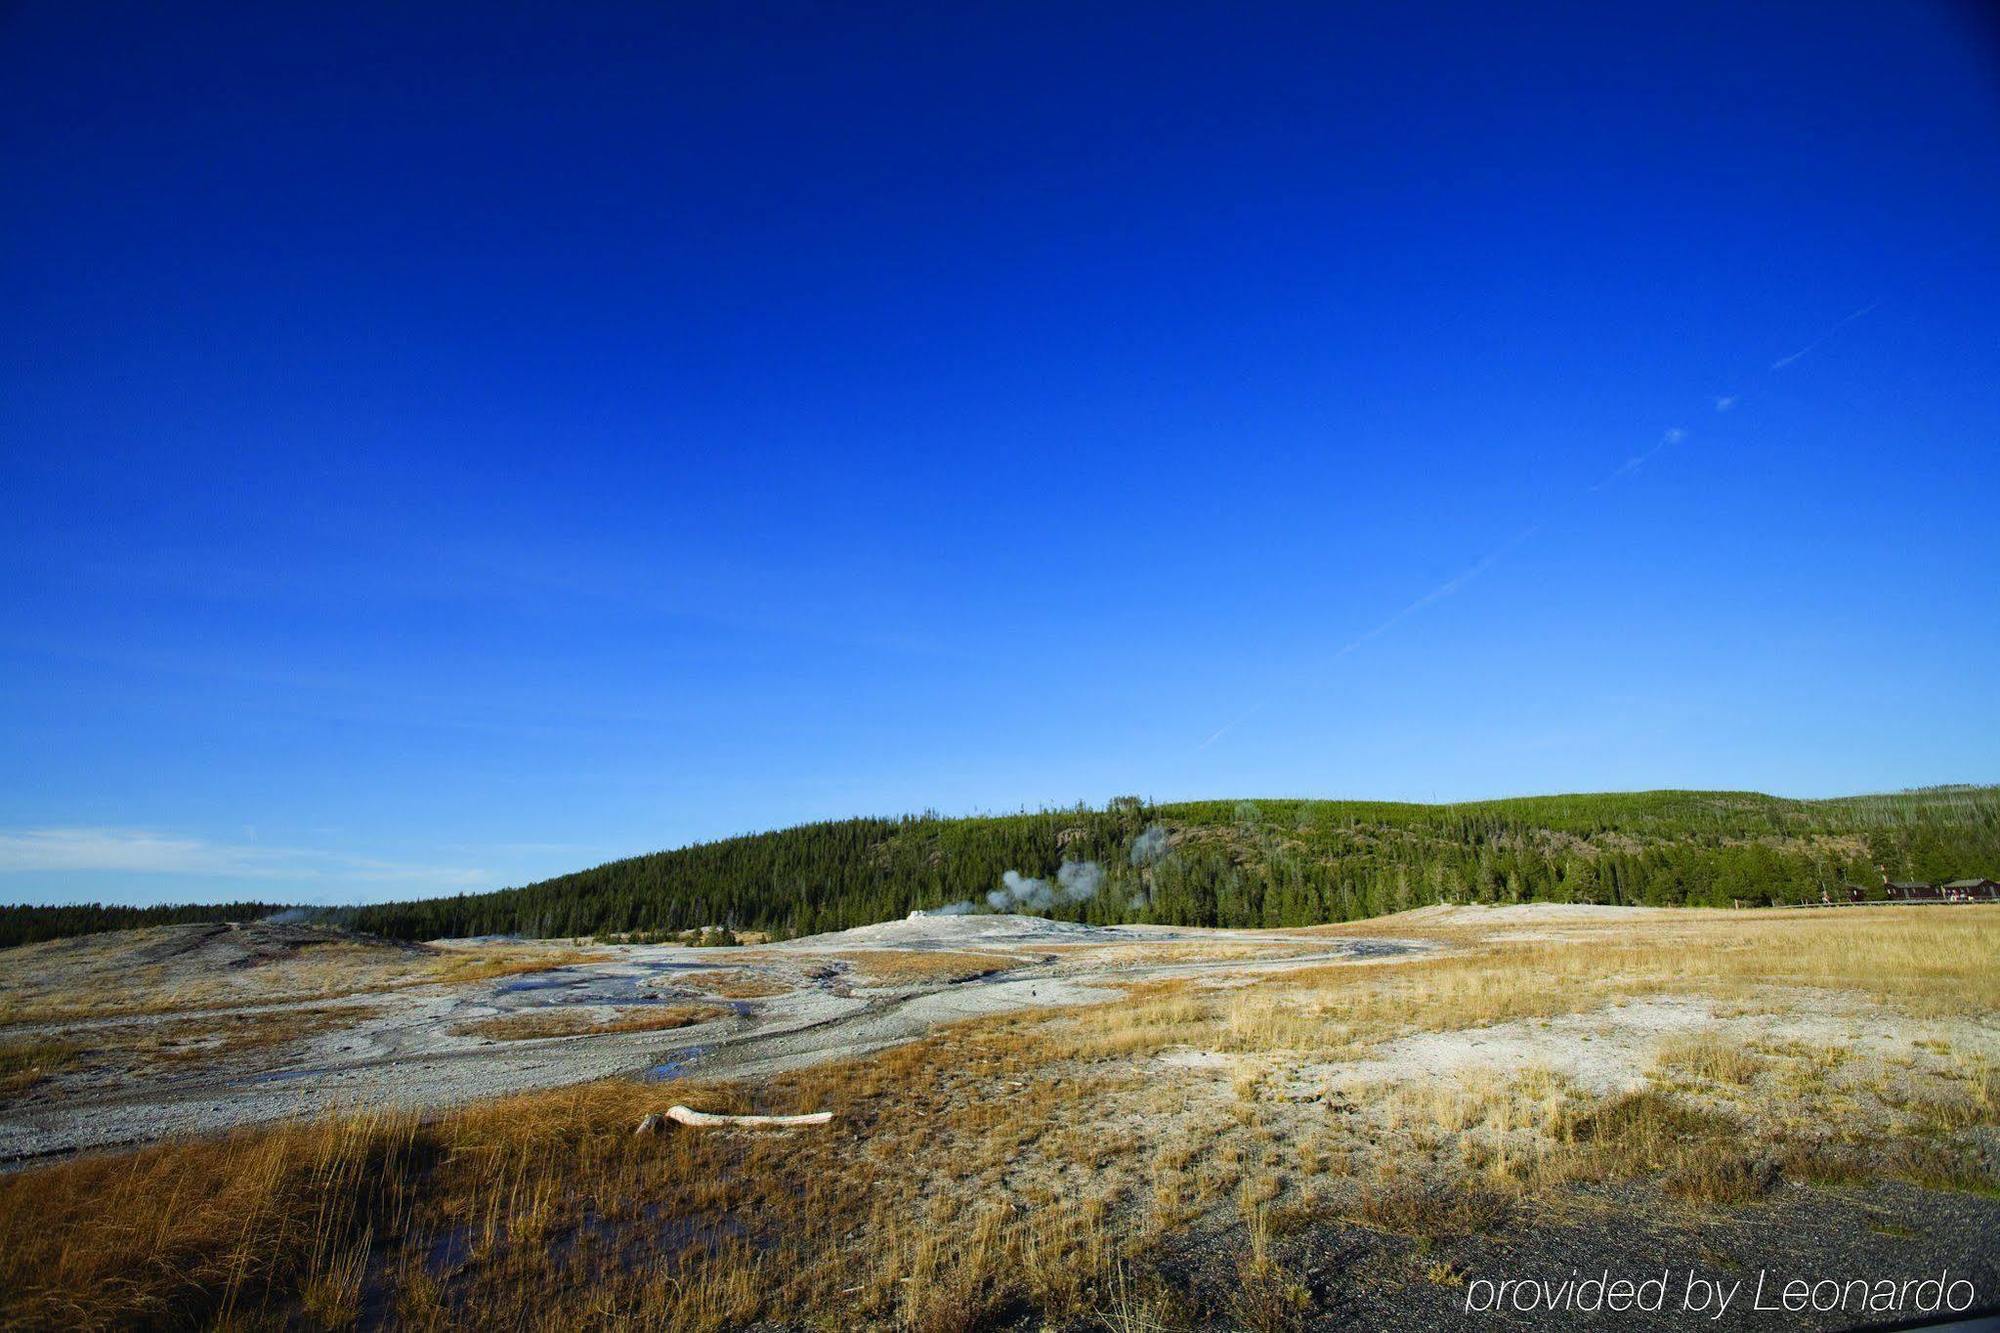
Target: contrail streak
point(1784, 361)
point(1437, 594)
point(1674, 435)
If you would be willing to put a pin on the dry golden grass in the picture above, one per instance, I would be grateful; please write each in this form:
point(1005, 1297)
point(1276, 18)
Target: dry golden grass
point(737, 984)
point(46, 986)
point(1916, 964)
point(1708, 1058)
point(329, 973)
point(1267, 1299)
point(578, 1022)
point(1431, 1209)
point(458, 966)
point(138, 1048)
point(1154, 954)
point(23, 1064)
point(209, 1232)
point(1031, 1163)
point(1919, 961)
point(1531, 1131)
point(529, 1206)
point(923, 967)
point(222, 1036)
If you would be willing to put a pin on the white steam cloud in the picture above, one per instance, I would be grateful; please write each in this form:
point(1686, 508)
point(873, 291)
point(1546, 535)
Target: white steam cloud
point(1076, 882)
point(1149, 847)
point(1079, 880)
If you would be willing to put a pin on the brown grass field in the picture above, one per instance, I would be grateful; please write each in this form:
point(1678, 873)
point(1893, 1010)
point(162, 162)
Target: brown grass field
point(735, 984)
point(48, 986)
point(583, 1022)
point(1161, 1161)
point(901, 967)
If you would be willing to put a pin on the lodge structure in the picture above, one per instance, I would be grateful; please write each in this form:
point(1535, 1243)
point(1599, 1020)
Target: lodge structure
point(1951, 891)
point(1975, 890)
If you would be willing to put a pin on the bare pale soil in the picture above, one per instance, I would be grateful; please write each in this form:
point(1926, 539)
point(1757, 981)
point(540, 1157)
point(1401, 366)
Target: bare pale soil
point(1034, 1125)
point(126, 1038)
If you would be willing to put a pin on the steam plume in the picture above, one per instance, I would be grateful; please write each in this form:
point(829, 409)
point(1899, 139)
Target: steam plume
point(1150, 846)
point(1076, 882)
point(1079, 880)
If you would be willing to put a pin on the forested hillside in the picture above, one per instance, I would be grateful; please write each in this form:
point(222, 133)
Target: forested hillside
point(1225, 863)
point(27, 925)
point(1256, 863)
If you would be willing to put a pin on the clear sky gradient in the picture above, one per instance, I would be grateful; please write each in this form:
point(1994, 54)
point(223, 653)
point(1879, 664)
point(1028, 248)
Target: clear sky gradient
point(445, 449)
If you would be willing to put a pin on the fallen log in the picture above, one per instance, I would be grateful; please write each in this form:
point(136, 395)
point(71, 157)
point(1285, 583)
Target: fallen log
point(704, 1120)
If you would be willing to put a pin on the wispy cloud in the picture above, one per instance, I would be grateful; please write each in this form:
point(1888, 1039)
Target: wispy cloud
point(147, 852)
point(1727, 401)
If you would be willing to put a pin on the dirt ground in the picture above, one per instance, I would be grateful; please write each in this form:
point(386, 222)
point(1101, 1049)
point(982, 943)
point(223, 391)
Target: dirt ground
point(1450, 1118)
point(193, 1029)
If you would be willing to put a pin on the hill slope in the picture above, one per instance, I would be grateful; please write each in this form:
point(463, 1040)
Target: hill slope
point(1227, 863)
point(1254, 863)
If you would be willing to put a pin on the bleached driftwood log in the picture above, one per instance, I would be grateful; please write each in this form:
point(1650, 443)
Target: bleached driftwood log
point(703, 1120)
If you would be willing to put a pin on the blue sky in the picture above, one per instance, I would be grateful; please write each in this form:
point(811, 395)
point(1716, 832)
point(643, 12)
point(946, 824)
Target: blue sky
point(444, 449)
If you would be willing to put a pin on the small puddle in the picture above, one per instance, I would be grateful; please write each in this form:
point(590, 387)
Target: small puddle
point(541, 983)
point(674, 1067)
point(583, 988)
point(1378, 948)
